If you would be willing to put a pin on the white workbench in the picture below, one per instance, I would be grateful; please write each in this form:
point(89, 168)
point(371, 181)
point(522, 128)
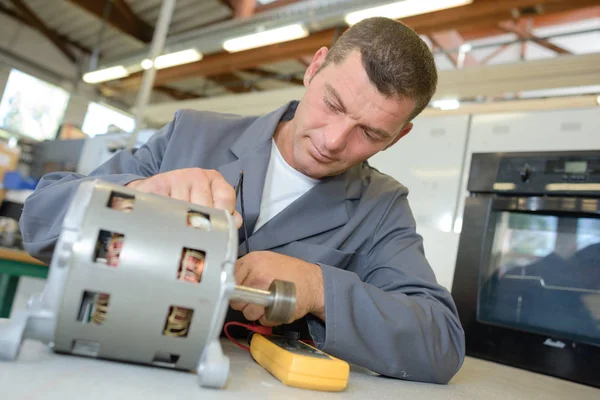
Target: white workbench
point(40, 374)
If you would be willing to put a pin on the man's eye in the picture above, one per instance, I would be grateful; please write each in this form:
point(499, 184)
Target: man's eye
point(329, 105)
point(369, 136)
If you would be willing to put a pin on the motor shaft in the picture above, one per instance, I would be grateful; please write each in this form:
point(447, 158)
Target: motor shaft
point(246, 294)
point(279, 301)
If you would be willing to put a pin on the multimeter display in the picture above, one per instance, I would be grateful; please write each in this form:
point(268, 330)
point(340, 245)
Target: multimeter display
point(297, 347)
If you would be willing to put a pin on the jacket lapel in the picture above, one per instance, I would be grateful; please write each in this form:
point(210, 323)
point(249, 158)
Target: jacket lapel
point(251, 153)
point(254, 165)
point(320, 209)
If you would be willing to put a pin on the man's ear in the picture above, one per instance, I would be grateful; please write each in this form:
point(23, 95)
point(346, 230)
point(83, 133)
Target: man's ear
point(402, 133)
point(315, 64)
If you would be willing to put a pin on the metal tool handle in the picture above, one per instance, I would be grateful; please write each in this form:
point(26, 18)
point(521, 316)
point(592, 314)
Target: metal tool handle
point(279, 301)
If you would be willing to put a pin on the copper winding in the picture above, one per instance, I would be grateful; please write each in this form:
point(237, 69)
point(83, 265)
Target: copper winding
point(100, 309)
point(190, 270)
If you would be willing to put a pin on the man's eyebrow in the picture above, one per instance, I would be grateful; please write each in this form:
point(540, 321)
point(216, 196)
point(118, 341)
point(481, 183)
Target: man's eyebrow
point(335, 94)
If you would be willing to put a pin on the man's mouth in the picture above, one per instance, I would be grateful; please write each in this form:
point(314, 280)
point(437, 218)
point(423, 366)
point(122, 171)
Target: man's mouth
point(318, 155)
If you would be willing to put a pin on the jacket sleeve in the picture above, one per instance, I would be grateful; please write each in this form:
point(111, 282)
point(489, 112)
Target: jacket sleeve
point(45, 209)
point(391, 316)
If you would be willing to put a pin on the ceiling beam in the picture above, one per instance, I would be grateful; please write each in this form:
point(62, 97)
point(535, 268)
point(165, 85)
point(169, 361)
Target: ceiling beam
point(493, 54)
point(38, 24)
point(125, 10)
point(487, 13)
point(121, 18)
point(437, 46)
point(306, 60)
point(479, 14)
point(241, 8)
point(272, 75)
point(176, 93)
point(510, 27)
point(538, 21)
point(223, 62)
point(526, 26)
point(232, 83)
point(452, 40)
point(567, 17)
point(274, 4)
point(13, 14)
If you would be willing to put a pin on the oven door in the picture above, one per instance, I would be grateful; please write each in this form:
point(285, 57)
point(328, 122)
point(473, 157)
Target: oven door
point(527, 283)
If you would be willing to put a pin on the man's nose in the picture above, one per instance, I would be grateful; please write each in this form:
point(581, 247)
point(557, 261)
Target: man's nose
point(336, 137)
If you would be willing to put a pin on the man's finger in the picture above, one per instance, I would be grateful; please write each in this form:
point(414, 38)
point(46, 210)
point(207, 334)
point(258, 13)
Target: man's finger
point(201, 193)
point(223, 194)
point(238, 219)
point(237, 305)
point(265, 322)
point(242, 271)
point(180, 191)
point(253, 312)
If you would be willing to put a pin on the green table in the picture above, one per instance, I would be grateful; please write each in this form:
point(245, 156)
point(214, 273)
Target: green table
point(13, 265)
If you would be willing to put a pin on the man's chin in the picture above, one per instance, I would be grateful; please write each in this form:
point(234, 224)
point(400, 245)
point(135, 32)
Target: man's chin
point(311, 171)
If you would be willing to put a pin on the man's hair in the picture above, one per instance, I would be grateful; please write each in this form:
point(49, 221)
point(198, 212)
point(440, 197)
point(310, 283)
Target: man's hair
point(397, 61)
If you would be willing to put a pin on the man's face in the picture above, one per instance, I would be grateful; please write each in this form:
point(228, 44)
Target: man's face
point(342, 119)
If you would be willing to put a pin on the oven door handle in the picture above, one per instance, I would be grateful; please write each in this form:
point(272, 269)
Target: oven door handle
point(544, 285)
point(575, 205)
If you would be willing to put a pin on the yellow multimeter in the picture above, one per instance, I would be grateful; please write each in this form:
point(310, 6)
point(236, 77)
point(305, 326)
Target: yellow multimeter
point(297, 364)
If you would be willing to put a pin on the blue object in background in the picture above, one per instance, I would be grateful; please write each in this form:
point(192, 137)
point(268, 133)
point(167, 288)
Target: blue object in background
point(13, 180)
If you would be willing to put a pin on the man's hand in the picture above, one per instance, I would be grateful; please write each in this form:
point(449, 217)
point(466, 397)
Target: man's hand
point(195, 185)
point(258, 269)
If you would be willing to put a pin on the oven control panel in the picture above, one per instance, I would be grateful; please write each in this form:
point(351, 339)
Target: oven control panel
point(536, 173)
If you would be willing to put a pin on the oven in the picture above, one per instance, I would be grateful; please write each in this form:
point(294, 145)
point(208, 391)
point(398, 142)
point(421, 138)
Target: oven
point(527, 276)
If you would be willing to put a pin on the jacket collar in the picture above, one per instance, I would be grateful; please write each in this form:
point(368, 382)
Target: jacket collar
point(262, 130)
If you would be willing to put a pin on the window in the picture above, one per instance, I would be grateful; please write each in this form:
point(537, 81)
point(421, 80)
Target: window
point(32, 107)
point(101, 119)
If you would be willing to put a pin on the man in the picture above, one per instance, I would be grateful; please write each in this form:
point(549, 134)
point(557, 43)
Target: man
point(316, 213)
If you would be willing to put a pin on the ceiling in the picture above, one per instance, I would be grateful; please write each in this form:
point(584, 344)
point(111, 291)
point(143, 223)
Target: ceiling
point(98, 33)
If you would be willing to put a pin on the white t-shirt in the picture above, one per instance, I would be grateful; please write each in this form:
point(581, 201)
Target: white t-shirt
point(283, 185)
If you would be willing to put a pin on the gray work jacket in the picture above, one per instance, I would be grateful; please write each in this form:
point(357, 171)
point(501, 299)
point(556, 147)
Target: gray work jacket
point(384, 309)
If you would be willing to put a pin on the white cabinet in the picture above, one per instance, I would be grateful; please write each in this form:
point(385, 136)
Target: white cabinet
point(428, 161)
point(536, 131)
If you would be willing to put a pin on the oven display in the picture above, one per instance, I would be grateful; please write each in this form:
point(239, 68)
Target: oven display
point(575, 167)
point(571, 166)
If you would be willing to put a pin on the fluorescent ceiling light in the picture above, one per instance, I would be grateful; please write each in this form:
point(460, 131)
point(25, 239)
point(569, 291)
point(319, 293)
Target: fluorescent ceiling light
point(448, 104)
point(465, 47)
point(172, 59)
point(106, 74)
point(265, 38)
point(404, 9)
point(147, 64)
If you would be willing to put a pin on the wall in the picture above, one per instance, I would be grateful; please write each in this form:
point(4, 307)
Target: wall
point(428, 161)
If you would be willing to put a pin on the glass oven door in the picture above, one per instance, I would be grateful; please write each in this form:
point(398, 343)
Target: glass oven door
point(541, 268)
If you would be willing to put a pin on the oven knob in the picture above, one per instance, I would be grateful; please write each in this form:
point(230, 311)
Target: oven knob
point(525, 174)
